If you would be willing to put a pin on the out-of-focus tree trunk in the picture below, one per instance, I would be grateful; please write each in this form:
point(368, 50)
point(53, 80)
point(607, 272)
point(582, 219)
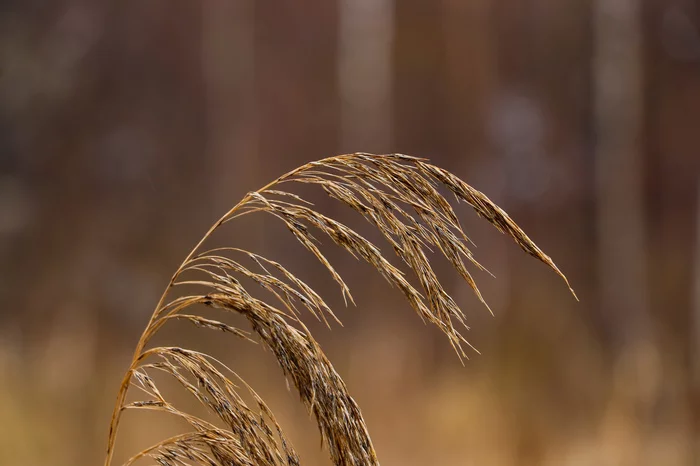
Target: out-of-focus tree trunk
point(622, 249)
point(618, 87)
point(366, 33)
point(365, 65)
point(228, 53)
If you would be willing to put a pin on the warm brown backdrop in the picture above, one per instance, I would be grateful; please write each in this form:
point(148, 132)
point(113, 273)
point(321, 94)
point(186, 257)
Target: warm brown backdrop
point(126, 128)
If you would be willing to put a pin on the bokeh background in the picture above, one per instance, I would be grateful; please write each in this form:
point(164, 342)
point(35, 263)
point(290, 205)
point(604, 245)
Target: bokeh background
point(127, 128)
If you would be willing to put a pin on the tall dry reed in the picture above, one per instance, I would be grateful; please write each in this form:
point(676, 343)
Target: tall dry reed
point(398, 195)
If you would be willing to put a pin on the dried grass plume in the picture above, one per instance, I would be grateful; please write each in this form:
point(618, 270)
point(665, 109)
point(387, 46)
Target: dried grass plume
point(397, 194)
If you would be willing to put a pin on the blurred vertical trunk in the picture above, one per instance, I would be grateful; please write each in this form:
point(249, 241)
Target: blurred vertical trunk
point(366, 33)
point(365, 62)
point(618, 77)
point(228, 53)
point(622, 249)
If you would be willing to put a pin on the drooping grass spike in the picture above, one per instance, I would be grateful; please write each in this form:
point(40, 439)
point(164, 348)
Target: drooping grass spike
point(397, 194)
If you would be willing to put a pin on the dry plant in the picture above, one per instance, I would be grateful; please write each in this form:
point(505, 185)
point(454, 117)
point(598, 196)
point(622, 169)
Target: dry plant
point(398, 195)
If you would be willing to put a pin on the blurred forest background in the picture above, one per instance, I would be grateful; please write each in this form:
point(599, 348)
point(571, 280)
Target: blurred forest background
point(127, 128)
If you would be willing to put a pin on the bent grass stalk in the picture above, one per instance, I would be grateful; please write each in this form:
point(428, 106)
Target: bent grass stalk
point(398, 195)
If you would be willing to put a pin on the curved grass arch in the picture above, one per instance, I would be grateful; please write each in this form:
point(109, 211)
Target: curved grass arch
point(397, 194)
